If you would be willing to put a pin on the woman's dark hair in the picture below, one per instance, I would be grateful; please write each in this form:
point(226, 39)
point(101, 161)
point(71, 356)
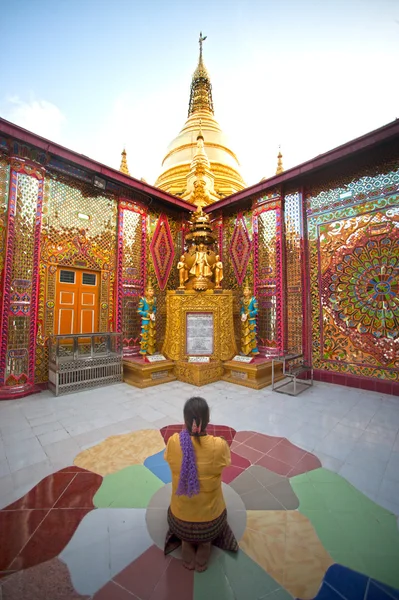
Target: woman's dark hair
point(196, 409)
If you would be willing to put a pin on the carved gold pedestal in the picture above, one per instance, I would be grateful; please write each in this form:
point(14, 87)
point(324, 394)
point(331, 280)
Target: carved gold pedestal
point(219, 304)
point(199, 373)
point(141, 374)
point(256, 375)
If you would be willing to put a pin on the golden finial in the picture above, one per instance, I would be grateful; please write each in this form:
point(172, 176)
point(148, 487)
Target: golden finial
point(200, 41)
point(201, 88)
point(280, 167)
point(124, 168)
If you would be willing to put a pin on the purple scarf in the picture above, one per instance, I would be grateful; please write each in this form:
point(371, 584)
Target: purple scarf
point(188, 482)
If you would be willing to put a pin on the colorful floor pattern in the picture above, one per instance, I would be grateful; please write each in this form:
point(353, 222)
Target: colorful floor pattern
point(96, 529)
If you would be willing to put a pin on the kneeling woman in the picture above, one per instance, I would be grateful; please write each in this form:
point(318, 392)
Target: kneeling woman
point(197, 514)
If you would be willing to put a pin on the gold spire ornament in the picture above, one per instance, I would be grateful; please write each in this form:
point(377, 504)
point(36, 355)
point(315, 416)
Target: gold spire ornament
point(201, 87)
point(280, 167)
point(200, 134)
point(124, 168)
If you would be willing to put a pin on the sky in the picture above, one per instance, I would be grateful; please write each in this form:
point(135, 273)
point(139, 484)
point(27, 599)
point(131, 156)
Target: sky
point(98, 75)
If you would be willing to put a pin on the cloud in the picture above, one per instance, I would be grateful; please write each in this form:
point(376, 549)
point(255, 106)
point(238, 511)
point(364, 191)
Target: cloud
point(40, 116)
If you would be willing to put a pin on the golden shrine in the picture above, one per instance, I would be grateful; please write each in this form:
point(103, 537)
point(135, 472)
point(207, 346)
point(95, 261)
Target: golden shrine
point(223, 166)
point(199, 333)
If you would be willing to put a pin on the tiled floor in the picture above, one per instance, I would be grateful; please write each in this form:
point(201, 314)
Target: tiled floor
point(85, 529)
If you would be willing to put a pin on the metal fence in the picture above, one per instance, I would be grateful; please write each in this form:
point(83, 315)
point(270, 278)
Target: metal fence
point(78, 362)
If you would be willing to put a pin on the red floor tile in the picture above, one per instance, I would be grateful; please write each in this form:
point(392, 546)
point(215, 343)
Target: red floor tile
point(142, 575)
point(45, 494)
point(112, 591)
point(81, 491)
point(308, 463)
point(243, 436)
point(73, 469)
point(239, 461)
point(277, 466)
point(169, 430)
point(287, 453)
point(252, 455)
point(50, 538)
point(263, 443)
point(176, 582)
point(234, 445)
point(230, 473)
point(16, 528)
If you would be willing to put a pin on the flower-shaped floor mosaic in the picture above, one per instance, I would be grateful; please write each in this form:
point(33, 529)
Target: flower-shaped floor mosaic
point(96, 529)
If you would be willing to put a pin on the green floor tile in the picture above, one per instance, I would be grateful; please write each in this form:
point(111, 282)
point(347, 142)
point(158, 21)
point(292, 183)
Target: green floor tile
point(247, 580)
point(383, 567)
point(349, 559)
point(309, 498)
point(131, 487)
point(327, 528)
point(324, 476)
point(280, 594)
point(212, 583)
point(357, 532)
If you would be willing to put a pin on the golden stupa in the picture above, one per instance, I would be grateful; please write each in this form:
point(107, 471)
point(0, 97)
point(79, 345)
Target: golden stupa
point(178, 161)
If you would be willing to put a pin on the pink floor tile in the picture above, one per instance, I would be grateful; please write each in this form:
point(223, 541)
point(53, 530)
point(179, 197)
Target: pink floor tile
point(277, 466)
point(143, 575)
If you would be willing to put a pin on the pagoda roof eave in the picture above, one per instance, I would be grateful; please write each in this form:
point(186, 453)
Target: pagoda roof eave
point(360, 144)
point(52, 148)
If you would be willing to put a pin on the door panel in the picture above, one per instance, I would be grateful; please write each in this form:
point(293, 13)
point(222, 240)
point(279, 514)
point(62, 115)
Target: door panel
point(77, 300)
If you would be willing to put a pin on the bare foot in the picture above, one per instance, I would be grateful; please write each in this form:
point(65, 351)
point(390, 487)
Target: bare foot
point(188, 552)
point(202, 557)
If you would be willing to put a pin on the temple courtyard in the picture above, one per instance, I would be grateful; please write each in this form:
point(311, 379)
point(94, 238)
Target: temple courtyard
point(312, 495)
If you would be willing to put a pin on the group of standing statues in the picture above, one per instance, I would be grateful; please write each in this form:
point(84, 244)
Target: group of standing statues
point(201, 267)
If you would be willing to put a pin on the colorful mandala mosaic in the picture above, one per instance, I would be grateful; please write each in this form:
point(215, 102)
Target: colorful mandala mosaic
point(240, 248)
point(303, 531)
point(162, 251)
point(363, 287)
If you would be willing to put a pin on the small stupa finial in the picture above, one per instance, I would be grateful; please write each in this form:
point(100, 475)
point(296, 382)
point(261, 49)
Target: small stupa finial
point(280, 167)
point(124, 168)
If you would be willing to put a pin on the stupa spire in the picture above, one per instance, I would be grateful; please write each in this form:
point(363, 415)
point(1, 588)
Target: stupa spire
point(201, 88)
point(124, 168)
point(280, 167)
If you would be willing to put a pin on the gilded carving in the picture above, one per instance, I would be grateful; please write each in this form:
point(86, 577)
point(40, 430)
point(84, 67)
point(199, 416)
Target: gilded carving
point(220, 305)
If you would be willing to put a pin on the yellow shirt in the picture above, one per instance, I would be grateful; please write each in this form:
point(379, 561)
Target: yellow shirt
point(212, 455)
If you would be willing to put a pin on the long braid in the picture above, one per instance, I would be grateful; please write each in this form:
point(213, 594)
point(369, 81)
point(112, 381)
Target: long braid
point(188, 482)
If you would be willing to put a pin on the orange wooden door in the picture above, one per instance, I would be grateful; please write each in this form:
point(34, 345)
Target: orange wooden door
point(88, 301)
point(77, 300)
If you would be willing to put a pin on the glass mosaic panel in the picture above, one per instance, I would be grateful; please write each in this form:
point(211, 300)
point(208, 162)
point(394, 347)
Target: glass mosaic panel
point(70, 241)
point(4, 183)
point(267, 278)
point(293, 300)
point(17, 358)
point(354, 188)
point(354, 267)
point(132, 280)
point(175, 225)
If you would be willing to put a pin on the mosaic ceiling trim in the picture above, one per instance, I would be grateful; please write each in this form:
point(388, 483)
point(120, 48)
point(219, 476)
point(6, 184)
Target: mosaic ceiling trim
point(162, 251)
point(240, 248)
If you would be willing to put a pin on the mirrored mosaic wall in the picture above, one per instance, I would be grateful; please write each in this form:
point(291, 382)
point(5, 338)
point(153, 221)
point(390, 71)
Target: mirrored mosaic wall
point(353, 228)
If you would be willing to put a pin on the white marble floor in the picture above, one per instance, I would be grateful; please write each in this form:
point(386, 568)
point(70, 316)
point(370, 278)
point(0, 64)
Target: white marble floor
point(353, 432)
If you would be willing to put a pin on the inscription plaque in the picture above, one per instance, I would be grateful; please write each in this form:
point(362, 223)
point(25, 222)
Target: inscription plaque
point(199, 333)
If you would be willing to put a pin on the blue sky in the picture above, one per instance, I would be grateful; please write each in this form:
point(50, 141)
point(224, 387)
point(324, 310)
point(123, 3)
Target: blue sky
point(97, 75)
